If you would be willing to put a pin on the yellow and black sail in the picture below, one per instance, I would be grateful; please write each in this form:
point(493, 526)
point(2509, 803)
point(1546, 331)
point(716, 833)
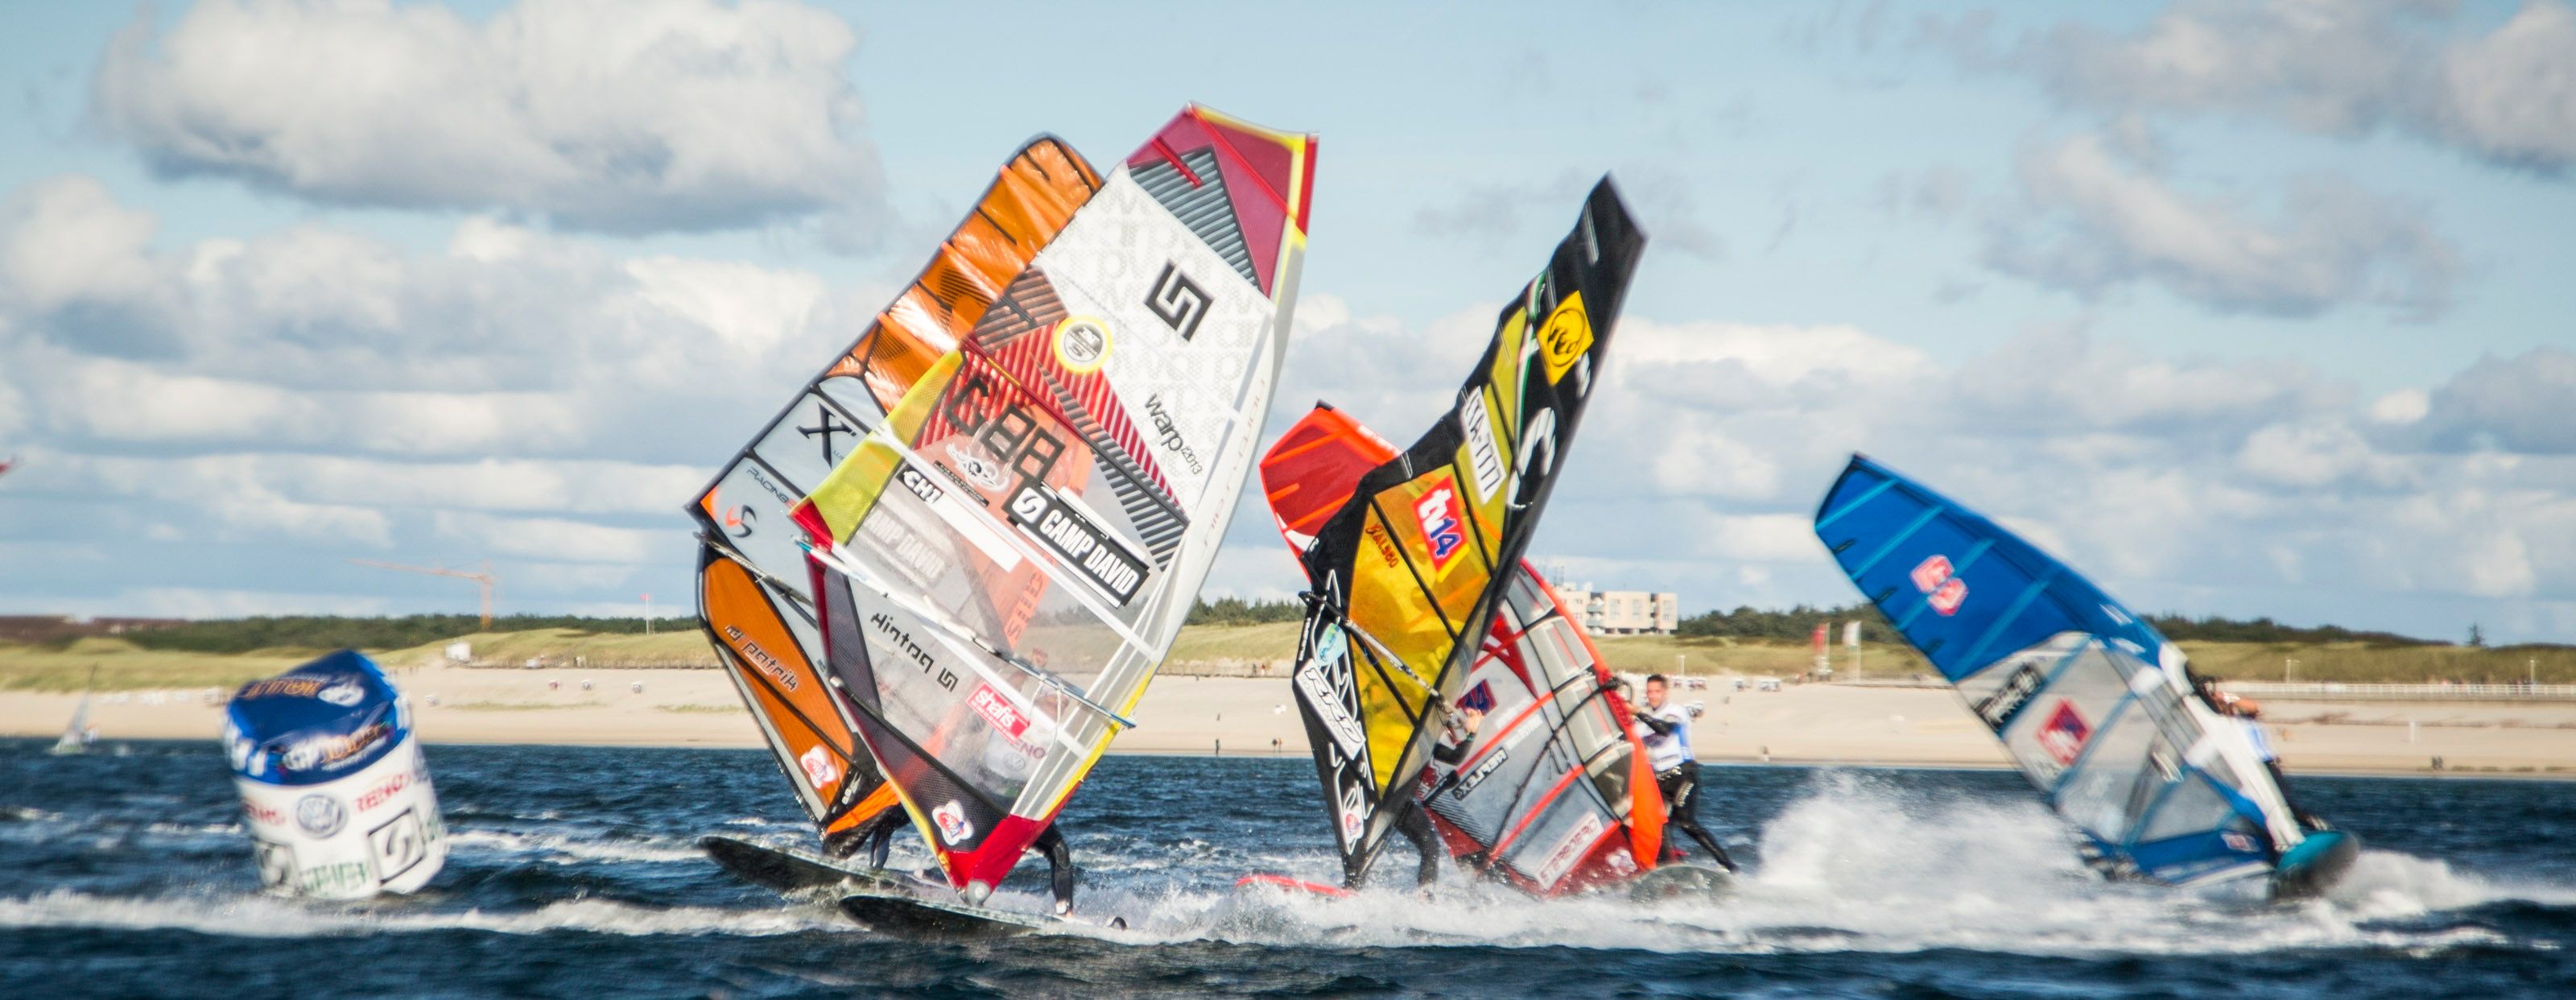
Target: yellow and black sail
point(1405, 576)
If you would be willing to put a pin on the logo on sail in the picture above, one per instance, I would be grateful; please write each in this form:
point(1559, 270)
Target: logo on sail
point(1561, 858)
point(1935, 576)
point(1329, 707)
point(1078, 542)
point(1082, 343)
point(819, 769)
point(1483, 456)
point(1443, 522)
point(953, 825)
point(1566, 336)
point(2064, 733)
point(1177, 301)
point(998, 710)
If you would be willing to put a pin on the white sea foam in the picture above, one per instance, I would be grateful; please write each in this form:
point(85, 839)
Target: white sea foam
point(267, 916)
point(1856, 865)
point(565, 848)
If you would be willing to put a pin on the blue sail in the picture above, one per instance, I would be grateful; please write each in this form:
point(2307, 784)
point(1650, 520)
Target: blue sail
point(2090, 702)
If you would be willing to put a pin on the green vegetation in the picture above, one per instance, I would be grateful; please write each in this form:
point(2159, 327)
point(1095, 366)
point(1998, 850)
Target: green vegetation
point(2368, 663)
point(1796, 624)
point(322, 633)
point(1237, 611)
point(123, 666)
point(224, 654)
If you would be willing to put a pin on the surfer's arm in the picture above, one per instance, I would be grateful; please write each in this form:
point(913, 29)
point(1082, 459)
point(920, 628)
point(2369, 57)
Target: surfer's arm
point(1662, 727)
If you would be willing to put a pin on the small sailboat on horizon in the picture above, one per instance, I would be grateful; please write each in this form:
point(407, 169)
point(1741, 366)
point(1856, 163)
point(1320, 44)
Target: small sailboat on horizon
point(80, 734)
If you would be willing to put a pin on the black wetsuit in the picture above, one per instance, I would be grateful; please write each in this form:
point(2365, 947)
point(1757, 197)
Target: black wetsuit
point(1680, 787)
point(1060, 869)
point(874, 838)
point(1414, 822)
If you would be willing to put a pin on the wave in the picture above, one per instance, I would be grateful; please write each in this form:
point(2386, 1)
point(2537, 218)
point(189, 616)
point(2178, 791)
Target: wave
point(1855, 864)
point(270, 916)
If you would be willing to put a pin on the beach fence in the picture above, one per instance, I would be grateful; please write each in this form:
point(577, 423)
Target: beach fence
point(2331, 691)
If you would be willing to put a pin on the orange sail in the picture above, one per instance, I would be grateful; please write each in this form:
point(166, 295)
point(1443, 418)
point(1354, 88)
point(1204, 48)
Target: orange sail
point(763, 625)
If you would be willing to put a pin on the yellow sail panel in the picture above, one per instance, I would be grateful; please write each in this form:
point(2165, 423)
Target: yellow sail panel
point(836, 507)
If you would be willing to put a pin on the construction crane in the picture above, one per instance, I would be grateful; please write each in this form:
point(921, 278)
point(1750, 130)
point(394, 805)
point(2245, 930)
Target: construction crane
point(484, 578)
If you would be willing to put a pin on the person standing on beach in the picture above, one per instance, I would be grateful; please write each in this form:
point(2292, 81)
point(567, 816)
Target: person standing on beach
point(1665, 728)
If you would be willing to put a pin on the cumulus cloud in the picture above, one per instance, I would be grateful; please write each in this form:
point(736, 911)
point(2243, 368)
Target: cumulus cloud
point(611, 115)
point(2524, 404)
point(313, 393)
point(2505, 95)
point(2093, 220)
point(2231, 486)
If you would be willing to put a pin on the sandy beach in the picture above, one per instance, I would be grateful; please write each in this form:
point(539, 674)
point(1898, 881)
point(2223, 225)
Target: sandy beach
point(1802, 724)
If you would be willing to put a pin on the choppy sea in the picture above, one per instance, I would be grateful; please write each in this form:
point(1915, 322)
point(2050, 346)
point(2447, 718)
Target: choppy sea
point(573, 874)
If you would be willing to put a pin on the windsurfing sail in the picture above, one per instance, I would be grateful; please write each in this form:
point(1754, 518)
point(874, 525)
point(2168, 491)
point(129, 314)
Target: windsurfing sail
point(1409, 573)
point(335, 792)
point(1544, 793)
point(751, 571)
point(1003, 562)
point(76, 737)
point(2091, 703)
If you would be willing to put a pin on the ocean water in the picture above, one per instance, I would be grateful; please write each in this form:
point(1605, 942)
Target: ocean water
point(573, 874)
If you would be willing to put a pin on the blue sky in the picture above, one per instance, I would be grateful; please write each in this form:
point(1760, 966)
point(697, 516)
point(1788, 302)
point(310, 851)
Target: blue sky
point(2244, 309)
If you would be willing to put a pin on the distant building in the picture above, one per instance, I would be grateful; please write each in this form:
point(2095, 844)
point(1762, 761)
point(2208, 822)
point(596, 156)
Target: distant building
point(1620, 612)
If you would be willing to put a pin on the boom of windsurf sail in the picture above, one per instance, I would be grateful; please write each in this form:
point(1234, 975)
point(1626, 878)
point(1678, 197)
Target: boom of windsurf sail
point(751, 572)
point(1002, 563)
point(1544, 794)
point(1407, 575)
point(2091, 703)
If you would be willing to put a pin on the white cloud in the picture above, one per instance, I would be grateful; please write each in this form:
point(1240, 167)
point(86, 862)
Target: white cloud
point(2092, 221)
point(2522, 404)
point(2209, 486)
point(617, 115)
point(559, 539)
point(2507, 96)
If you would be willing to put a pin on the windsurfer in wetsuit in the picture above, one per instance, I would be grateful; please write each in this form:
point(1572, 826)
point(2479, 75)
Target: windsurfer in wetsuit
point(875, 838)
point(1666, 733)
point(1060, 869)
point(2249, 714)
point(1413, 821)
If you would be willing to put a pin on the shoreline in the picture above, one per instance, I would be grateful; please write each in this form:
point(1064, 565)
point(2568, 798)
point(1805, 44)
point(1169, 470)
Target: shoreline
point(1811, 725)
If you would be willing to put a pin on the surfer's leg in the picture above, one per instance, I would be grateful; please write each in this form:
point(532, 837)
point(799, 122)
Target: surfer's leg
point(881, 842)
point(1060, 868)
point(1416, 827)
point(2282, 782)
point(1682, 803)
